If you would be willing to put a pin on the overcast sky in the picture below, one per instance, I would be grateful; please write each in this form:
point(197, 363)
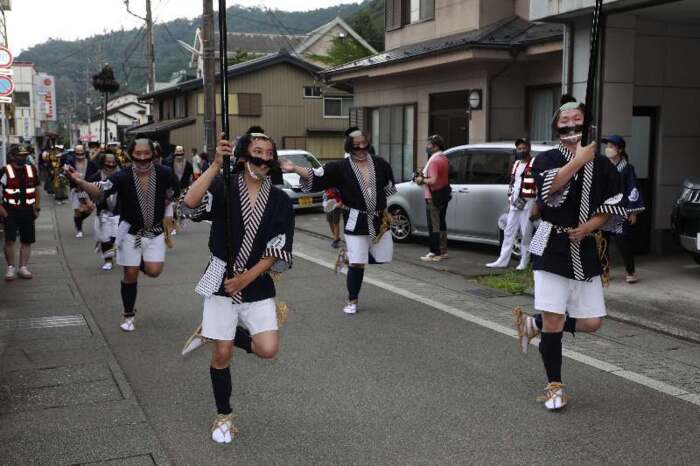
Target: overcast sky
point(32, 22)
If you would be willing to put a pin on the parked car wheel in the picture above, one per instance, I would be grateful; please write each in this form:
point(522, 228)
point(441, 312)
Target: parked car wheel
point(516, 245)
point(401, 226)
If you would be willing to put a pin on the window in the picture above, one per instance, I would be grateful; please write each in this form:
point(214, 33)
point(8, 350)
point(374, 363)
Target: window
point(337, 107)
point(491, 167)
point(312, 92)
point(393, 137)
point(542, 102)
point(457, 172)
point(181, 106)
point(249, 104)
point(398, 13)
point(21, 99)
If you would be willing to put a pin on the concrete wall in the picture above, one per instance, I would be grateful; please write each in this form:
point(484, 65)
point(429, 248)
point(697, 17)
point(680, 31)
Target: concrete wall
point(24, 117)
point(451, 16)
point(508, 110)
point(651, 63)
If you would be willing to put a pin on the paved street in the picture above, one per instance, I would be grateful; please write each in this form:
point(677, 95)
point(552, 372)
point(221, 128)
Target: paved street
point(427, 373)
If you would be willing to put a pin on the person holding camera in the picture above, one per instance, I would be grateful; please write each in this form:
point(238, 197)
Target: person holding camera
point(521, 200)
point(437, 191)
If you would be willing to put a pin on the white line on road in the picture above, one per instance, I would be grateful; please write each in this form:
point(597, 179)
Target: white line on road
point(576, 356)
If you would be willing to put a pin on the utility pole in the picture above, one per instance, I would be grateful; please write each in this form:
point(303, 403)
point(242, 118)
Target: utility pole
point(3, 116)
point(151, 49)
point(209, 77)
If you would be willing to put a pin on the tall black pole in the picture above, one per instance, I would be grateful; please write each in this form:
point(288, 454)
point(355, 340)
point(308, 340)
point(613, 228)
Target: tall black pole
point(592, 71)
point(223, 81)
point(104, 116)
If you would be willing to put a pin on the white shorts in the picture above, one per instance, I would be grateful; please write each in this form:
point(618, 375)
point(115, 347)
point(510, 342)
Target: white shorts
point(106, 227)
point(557, 294)
point(359, 247)
point(169, 210)
point(152, 250)
point(74, 198)
point(221, 316)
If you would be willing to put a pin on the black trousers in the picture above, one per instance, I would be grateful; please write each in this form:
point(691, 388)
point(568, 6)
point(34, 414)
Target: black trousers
point(437, 226)
point(624, 245)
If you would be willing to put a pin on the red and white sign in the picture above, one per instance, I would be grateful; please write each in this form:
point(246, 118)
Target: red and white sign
point(6, 86)
point(45, 95)
point(6, 58)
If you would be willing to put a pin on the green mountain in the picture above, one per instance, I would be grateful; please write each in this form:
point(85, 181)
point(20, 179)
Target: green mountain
point(74, 62)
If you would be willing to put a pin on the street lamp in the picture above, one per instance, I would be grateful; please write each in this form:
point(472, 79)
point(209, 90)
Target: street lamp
point(105, 83)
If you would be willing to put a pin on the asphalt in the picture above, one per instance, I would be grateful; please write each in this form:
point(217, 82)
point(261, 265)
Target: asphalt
point(664, 300)
point(399, 383)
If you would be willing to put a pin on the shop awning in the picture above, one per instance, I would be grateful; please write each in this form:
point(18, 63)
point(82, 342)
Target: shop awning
point(160, 126)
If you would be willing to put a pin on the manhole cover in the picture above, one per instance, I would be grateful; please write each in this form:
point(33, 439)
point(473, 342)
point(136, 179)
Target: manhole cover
point(43, 322)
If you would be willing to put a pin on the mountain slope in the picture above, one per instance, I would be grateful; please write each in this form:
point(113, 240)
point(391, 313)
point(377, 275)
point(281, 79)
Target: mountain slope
point(74, 62)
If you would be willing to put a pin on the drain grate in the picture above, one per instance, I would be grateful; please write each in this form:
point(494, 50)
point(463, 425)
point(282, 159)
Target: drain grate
point(43, 322)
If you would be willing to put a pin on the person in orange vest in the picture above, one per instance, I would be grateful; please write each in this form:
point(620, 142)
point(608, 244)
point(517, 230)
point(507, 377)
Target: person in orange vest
point(19, 188)
point(521, 200)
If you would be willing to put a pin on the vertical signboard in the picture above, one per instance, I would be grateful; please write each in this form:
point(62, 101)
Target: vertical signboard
point(45, 94)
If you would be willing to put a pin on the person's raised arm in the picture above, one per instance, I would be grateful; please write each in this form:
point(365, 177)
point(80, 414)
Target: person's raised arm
point(200, 186)
point(92, 189)
point(583, 156)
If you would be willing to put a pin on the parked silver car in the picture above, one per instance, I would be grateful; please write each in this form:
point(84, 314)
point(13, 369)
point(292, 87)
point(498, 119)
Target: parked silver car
point(292, 183)
point(479, 175)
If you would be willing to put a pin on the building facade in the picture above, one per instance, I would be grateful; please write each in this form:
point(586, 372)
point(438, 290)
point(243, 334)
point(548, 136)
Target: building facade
point(278, 92)
point(123, 112)
point(649, 91)
point(440, 55)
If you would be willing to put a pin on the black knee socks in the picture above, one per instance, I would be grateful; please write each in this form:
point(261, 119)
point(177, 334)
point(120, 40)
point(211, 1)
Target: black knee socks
point(221, 384)
point(78, 221)
point(243, 340)
point(355, 277)
point(569, 323)
point(550, 349)
point(104, 247)
point(129, 298)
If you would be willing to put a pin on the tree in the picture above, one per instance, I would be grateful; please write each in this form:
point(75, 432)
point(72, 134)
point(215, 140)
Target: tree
point(342, 50)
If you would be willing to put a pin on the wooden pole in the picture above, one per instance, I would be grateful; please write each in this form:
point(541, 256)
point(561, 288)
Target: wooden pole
point(592, 71)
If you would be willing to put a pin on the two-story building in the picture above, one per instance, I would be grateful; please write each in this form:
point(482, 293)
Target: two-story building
point(123, 111)
point(279, 92)
point(440, 54)
point(649, 91)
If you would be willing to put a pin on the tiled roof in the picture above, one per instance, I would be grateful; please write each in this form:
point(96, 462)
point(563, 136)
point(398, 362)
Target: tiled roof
point(506, 34)
point(160, 126)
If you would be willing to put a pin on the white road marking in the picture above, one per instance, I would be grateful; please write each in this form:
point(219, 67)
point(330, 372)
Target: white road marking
point(576, 356)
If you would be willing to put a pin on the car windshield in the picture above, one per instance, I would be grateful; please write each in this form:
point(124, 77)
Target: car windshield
point(302, 160)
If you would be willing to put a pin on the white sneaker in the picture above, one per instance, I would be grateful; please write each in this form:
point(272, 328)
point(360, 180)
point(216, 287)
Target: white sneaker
point(522, 266)
point(107, 266)
point(526, 327)
point(497, 265)
point(11, 273)
point(431, 257)
point(79, 234)
point(223, 430)
point(25, 273)
point(554, 397)
point(350, 308)
point(128, 324)
point(196, 340)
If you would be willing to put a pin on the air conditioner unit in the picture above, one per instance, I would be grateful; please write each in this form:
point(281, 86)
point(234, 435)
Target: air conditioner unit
point(5, 5)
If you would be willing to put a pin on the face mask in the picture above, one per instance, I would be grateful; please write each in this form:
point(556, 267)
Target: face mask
point(428, 152)
point(610, 152)
point(143, 168)
point(521, 154)
point(259, 161)
point(570, 134)
point(79, 156)
point(252, 173)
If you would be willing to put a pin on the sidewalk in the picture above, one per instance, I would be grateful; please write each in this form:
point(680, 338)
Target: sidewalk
point(665, 299)
point(62, 394)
